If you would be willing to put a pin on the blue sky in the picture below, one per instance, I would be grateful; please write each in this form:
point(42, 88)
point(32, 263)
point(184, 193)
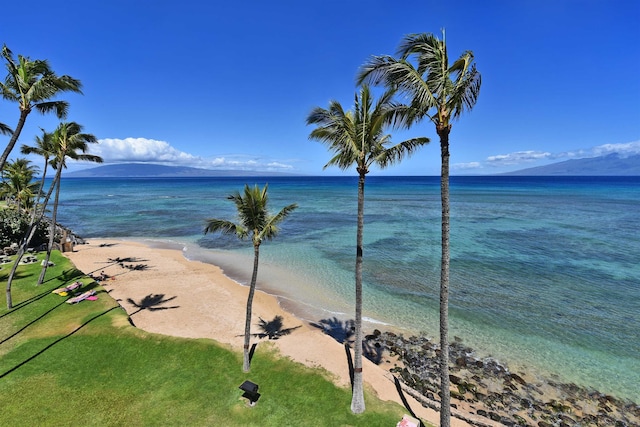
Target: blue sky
point(230, 84)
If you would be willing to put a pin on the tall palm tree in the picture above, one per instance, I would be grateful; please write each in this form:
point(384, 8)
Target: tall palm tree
point(357, 138)
point(441, 92)
point(254, 221)
point(32, 84)
point(69, 142)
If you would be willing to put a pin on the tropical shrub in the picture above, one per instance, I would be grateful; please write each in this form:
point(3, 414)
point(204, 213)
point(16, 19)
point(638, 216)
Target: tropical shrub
point(13, 227)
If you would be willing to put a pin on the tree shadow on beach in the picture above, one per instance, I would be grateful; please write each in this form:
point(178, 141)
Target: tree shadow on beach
point(337, 329)
point(273, 329)
point(344, 332)
point(151, 302)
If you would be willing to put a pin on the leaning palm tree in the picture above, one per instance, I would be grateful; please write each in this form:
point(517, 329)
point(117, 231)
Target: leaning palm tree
point(358, 138)
point(68, 140)
point(255, 222)
point(32, 84)
point(440, 92)
point(44, 147)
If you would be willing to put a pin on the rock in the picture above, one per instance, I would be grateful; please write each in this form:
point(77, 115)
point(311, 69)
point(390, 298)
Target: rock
point(455, 380)
point(517, 378)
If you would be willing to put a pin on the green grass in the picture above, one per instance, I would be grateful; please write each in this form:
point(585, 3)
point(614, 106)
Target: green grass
point(84, 364)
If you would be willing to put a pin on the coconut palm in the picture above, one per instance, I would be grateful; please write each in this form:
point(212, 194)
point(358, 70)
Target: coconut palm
point(68, 141)
point(440, 92)
point(254, 221)
point(358, 139)
point(17, 186)
point(32, 84)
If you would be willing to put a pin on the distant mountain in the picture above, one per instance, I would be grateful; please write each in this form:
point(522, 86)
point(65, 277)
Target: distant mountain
point(610, 165)
point(147, 170)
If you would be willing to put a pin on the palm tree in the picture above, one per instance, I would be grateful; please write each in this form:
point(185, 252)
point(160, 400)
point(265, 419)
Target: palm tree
point(32, 84)
point(255, 222)
point(448, 91)
point(68, 140)
point(17, 186)
point(357, 138)
point(45, 148)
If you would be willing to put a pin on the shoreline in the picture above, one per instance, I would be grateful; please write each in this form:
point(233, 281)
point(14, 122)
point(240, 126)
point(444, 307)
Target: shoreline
point(202, 286)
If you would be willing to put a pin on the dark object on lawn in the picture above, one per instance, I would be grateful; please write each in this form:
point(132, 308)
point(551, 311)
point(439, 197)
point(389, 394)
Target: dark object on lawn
point(250, 392)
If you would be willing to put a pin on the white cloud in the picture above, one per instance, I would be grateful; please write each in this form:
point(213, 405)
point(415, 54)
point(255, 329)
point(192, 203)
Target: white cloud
point(140, 150)
point(466, 166)
point(143, 150)
point(626, 149)
point(524, 157)
point(517, 157)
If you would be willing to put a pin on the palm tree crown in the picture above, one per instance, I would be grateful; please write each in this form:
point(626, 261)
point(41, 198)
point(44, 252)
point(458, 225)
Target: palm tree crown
point(432, 82)
point(357, 137)
point(16, 185)
point(32, 85)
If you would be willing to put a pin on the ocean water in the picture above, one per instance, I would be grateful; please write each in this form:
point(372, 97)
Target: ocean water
point(545, 272)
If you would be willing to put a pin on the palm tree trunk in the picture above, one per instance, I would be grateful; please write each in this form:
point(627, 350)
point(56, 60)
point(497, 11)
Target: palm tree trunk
point(52, 232)
point(445, 411)
point(357, 397)
point(14, 137)
point(247, 324)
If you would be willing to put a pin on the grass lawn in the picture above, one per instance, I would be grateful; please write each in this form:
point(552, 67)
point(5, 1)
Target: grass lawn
point(84, 364)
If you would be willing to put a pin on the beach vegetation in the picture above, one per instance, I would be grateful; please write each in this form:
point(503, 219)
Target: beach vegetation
point(441, 92)
point(14, 225)
point(255, 222)
point(358, 138)
point(85, 364)
point(43, 147)
point(16, 185)
point(33, 85)
point(69, 142)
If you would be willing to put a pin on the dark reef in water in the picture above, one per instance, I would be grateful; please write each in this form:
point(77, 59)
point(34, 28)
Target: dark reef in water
point(485, 391)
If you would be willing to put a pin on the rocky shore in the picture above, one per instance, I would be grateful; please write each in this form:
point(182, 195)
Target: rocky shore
point(486, 389)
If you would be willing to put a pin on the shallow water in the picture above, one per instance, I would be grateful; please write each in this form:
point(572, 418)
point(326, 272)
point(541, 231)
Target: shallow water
point(544, 271)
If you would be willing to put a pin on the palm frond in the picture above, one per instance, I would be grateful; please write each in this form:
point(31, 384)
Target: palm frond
point(219, 225)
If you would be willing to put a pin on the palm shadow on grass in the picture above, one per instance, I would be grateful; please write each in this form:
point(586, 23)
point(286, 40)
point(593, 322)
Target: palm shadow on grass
point(67, 276)
point(31, 322)
point(29, 359)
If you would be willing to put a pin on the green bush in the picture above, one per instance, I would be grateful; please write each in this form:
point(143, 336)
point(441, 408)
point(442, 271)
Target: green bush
point(13, 226)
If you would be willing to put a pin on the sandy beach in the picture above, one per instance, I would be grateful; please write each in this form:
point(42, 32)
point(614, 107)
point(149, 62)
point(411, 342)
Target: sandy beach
point(199, 301)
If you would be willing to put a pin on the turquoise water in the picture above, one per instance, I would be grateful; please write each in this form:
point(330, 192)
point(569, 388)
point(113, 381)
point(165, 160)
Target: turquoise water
point(544, 271)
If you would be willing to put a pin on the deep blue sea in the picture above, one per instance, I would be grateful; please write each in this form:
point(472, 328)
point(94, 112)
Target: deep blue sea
point(545, 272)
